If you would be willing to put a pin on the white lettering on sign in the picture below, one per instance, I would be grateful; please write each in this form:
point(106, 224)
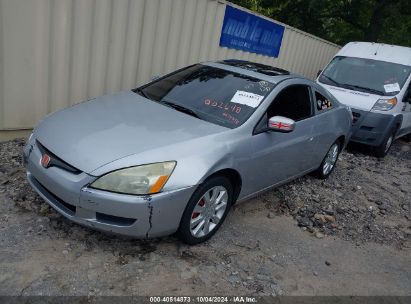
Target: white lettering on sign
point(247, 98)
point(392, 87)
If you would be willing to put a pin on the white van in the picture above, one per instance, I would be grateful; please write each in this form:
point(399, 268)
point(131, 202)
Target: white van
point(373, 79)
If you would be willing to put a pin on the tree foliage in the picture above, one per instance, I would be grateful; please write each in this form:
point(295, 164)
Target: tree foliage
point(341, 21)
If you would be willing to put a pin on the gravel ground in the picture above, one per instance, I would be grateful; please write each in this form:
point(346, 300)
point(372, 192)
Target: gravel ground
point(309, 237)
point(366, 199)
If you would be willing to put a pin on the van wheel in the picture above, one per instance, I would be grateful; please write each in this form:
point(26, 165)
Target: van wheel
point(407, 138)
point(383, 149)
point(206, 210)
point(328, 164)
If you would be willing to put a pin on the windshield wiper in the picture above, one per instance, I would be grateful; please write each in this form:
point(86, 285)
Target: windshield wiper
point(141, 92)
point(352, 86)
point(330, 79)
point(179, 108)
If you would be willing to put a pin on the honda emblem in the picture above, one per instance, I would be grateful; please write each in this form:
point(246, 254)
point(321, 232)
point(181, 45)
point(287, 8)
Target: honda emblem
point(45, 160)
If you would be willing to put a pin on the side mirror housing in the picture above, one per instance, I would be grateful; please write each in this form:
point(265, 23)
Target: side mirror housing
point(319, 72)
point(281, 124)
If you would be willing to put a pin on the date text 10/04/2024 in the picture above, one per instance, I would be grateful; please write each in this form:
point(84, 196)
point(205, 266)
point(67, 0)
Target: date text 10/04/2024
point(205, 299)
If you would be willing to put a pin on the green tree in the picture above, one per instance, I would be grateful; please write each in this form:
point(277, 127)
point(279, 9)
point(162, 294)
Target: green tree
point(341, 21)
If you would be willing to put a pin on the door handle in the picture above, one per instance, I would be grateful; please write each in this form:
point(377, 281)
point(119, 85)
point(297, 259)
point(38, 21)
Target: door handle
point(311, 139)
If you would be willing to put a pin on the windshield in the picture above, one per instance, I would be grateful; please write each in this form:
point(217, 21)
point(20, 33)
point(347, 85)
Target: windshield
point(366, 75)
point(212, 94)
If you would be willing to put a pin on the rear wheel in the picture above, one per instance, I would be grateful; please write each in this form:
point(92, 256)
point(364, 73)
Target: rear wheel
point(383, 149)
point(206, 210)
point(328, 164)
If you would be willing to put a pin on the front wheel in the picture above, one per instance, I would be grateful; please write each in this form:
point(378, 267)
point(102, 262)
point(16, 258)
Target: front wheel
point(407, 138)
point(383, 149)
point(328, 164)
point(206, 210)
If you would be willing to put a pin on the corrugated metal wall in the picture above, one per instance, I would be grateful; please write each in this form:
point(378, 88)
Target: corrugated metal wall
point(54, 53)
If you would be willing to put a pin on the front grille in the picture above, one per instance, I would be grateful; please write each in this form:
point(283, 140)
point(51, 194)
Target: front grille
point(62, 205)
point(366, 128)
point(71, 209)
point(56, 161)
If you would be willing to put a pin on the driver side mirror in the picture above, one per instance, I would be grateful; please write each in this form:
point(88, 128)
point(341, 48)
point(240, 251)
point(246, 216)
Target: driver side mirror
point(281, 124)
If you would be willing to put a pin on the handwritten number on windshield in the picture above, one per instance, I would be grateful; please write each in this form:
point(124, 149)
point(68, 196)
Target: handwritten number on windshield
point(222, 105)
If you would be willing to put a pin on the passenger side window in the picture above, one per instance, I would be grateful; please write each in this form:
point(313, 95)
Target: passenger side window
point(322, 102)
point(293, 102)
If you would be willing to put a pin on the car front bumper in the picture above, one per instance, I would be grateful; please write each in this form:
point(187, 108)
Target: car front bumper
point(371, 128)
point(137, 216)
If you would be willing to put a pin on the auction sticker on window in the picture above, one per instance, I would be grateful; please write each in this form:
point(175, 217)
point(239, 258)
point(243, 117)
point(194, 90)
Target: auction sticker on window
point(392, 87)
point(247, 98)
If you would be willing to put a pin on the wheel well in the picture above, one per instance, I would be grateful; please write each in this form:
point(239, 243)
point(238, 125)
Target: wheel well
point(398, 126)
point(234, 178)
point(398, 123)
point(341, 140)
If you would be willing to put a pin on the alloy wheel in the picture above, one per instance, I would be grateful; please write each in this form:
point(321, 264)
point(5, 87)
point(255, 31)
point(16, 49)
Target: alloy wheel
point(330, 159)
point(208, 211)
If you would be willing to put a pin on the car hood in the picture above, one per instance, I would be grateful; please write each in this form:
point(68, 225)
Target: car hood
point(97, 132)
point(354, 99)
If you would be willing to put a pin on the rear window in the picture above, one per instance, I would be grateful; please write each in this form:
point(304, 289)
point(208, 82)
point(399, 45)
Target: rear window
point(215, 95)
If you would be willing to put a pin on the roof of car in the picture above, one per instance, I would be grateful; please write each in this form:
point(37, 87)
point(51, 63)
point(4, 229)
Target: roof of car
point(377, 51)
point(253, 69)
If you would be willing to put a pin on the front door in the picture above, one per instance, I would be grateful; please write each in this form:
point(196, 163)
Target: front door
point(279, 156)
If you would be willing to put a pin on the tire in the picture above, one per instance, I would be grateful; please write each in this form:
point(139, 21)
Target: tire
point(407, 138)
point(330, 160)
point(201, 212)
point(382, 150)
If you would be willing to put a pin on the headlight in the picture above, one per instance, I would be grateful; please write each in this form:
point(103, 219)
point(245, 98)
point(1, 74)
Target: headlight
point(385, 104)
point(145, 179)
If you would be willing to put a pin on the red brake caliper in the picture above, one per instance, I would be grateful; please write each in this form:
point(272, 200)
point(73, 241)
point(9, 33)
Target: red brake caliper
point(195, 214)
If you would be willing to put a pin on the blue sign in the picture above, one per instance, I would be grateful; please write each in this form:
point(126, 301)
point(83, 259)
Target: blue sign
point(250, 33)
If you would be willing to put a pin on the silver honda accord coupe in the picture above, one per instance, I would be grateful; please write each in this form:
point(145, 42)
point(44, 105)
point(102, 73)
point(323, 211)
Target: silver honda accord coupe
point(174, 155)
